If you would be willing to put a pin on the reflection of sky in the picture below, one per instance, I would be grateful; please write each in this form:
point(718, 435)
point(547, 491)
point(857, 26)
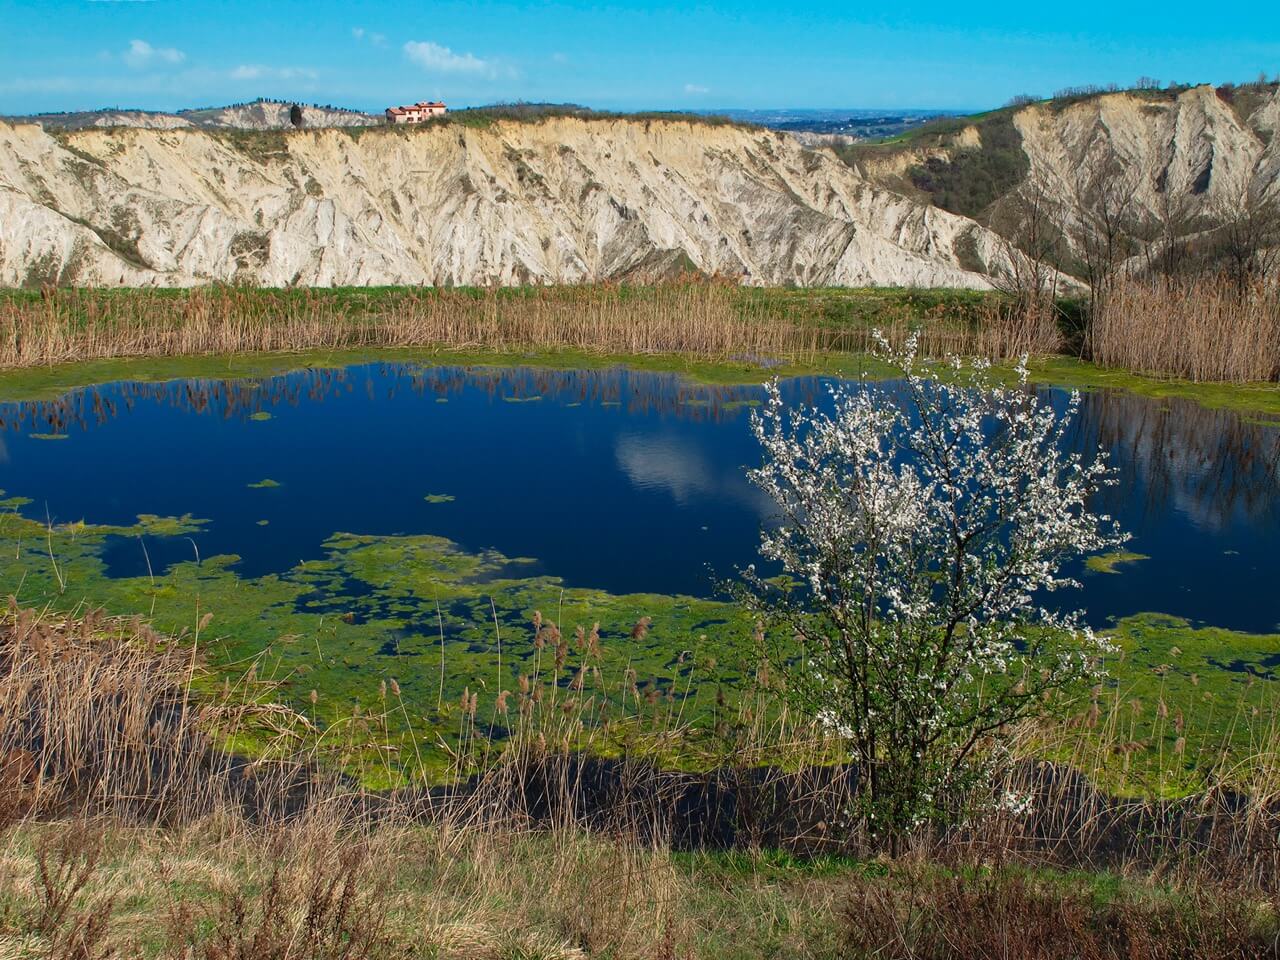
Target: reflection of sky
point(624, 480)
point(682, 468)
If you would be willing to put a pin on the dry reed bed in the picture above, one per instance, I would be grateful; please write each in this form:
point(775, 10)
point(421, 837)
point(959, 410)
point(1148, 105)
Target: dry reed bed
point(704, 320)
point(1206, 329)
point(1202, 329)
point(537, 854)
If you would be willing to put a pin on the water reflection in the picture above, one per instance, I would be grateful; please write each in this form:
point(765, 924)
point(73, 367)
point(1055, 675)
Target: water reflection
point(1212, 466)
point(660, 393)
point(684, 471)
point(624, 480)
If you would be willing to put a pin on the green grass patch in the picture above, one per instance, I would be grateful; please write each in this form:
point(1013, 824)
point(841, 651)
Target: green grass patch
point(1111, 562)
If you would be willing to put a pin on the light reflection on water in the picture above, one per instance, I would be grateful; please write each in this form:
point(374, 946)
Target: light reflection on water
point(623, 480)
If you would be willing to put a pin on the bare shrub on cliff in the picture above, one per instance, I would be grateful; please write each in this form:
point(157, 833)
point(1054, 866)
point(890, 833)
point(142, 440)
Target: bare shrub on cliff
point(1102, 220)
point(1029, 222)
point(1247, 244)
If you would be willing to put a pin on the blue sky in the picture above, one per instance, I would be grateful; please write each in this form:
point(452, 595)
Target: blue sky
point(166, 54)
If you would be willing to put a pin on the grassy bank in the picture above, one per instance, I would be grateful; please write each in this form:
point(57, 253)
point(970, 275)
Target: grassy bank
point(126, 831)
point(206, 892)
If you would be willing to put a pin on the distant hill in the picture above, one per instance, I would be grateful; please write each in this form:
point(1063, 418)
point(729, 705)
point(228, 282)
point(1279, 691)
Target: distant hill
point(1186, 160)
point(257, 115)
point(852, 125)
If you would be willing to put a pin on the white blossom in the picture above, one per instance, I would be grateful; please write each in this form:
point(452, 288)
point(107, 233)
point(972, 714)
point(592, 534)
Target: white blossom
point(926, 521)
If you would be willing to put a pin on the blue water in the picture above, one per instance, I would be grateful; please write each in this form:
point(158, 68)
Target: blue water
point(626, 481)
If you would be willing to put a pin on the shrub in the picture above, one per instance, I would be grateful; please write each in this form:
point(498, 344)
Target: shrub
point(918, 525)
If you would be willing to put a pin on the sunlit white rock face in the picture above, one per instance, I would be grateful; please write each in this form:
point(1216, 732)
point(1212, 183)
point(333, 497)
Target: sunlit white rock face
point(560, 201)
point(1193, 152)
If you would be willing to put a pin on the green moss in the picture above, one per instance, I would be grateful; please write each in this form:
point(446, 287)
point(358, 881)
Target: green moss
point(1110, 562)
point(260, 415)
point(438, 620)
point(1181, 707)
point(376, 608)
point(439, 498)
point(48, 436)
point(1259, 399)
point(266, 484)
point(155, 526)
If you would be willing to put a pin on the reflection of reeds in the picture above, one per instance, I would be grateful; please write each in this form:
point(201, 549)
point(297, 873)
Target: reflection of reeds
point(703, 319)
point(1201, 329)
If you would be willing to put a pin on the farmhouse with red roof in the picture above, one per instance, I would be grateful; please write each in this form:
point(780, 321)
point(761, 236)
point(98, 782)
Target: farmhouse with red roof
point(417, 113)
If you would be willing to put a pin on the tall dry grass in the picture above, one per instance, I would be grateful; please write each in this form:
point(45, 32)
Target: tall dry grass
point(711, 320)
point(700, 319)
point(1201, 328)
point(998, 328)
point(127, 831)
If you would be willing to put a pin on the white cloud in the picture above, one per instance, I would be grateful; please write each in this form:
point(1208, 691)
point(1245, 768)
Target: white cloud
point(358, 32)
point(143, 54)
point(677, 466)
point(437, 59)
point(696, 89)
point(255, 71)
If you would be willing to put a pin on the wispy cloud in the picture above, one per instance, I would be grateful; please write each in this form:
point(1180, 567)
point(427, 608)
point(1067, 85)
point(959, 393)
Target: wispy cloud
point(376, 39)
point(142, 54)
point(436, 58)
point(256, 71)
point(696, 89)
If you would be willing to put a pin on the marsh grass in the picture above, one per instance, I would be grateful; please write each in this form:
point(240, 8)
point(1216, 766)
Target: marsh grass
point(1201, 329)
point(698, 318)
point(557, 832)
point(705, 320)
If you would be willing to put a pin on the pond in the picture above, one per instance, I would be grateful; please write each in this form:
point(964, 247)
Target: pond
point(343, 528)
point(618, 480)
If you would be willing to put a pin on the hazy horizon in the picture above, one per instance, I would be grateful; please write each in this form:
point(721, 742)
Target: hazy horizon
point(73, 55)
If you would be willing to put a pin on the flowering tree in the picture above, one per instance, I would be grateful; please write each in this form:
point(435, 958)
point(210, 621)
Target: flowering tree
point(918, 525)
